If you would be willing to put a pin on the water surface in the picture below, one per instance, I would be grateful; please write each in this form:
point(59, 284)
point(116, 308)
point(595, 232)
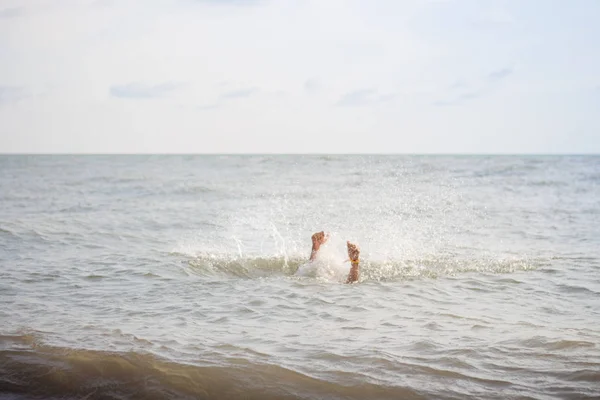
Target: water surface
point(138, 277)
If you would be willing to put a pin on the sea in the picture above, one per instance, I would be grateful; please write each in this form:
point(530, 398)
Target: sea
point(187, 277)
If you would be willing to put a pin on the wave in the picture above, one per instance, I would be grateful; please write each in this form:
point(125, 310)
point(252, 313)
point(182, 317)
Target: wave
point(242, 267)
point(393, 270)
point(32, 370)
point(23, 233)
point(9, 233)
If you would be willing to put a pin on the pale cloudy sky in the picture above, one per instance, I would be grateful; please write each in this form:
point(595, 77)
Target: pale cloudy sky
point(387, 76)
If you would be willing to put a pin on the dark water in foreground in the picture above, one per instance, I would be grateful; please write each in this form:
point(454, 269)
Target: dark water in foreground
point(151, 277)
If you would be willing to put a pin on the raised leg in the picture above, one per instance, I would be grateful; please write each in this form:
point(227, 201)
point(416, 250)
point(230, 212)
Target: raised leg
point(353, 254)
point(317, 240)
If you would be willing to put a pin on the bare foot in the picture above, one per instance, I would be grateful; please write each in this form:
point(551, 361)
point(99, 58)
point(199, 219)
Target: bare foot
point(353, 251)
point(353, 254)
point(317, 240)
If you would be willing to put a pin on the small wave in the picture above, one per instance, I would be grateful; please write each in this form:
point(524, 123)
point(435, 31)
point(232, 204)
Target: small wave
point(478, 327)
point(569, 344)
point(402, 270)
point(66, 373)
point(432, 268)
point(8, 232)
point(16, 341)
point(76, 208)
point(94, 277)
point(576, 289)
point(191, 189)
point(244, 267)
point(328, 157)
point(543, 343)
point(512, 170)
point(547, 183)
point(588, 375)
point(25, 233)
point(593, 178)
point(552, 345)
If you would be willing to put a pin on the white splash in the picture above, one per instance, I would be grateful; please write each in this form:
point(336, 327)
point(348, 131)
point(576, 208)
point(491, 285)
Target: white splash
point(330, 263)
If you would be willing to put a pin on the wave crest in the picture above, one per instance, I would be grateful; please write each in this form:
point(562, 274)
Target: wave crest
point(335, 270)
point(65, 373)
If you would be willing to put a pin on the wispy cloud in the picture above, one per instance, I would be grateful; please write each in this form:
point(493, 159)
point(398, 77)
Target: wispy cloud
point(141, 91)
point(494, 18)
point(459, 84)
point(357, 98)
point(12, 94)
point(208, 107)
point(103, 3)
point(384, 98)
point(498, 16)
point(470, 95)
point(500, 74)
point(12, 12)
point(460, 92)
point(204, 107)
point(364, 97)
point(312, 85)
point(228, 2)
point(461, 98)
point(236, 94)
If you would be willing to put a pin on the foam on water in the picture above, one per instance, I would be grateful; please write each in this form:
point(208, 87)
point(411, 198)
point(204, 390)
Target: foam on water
point(330, 264)
point(235, 258)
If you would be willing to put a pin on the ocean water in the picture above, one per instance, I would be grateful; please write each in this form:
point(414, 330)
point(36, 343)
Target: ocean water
point(158, 277)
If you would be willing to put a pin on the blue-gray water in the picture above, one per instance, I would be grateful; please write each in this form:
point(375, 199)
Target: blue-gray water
point(135, 277)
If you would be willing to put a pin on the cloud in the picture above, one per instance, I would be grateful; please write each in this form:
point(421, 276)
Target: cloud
point(228, 2)
point(12, 94)
point(470, 95)
point(498, 16)
point(384, 98)
point(460, 98)
point(363, 97)
point(141, 91)
point(459, 84)
point(458, 92)
point(208, 107)
point(12, 12)
point(204, 107)
point(357, 98)
point(312, 85)
point(103, 3)
point(236, 94)
point(500, 74)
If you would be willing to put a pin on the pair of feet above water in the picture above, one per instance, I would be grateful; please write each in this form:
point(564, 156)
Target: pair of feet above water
point(320, 238)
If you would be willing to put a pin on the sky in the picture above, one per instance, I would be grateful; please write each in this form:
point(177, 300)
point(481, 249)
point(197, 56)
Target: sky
point(302, 76)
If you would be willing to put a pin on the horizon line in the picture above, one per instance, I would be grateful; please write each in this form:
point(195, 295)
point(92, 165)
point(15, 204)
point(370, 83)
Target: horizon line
point(284, 154)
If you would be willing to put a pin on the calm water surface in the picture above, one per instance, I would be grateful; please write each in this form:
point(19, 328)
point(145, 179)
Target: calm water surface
point(151, 277)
